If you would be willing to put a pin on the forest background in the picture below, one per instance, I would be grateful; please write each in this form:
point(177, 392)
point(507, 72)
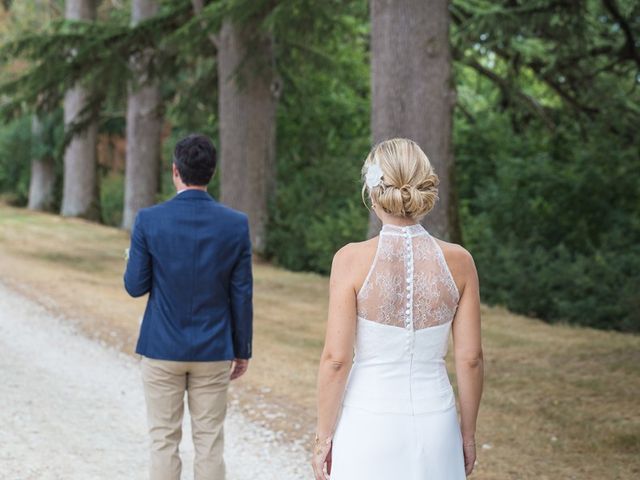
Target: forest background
point(530, 111)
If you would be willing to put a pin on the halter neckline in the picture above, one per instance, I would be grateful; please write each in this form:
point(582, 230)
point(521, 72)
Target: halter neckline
point(413, 229)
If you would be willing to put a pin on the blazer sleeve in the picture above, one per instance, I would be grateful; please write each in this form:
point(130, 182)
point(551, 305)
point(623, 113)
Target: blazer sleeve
point(241, 298)
point(137, 276)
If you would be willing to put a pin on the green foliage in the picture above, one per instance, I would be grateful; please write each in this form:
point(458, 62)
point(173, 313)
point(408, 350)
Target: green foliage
point(18, 147)
point(552, 222)
point(323, 137)
point(547, 164)
point(93, 54)
point(112, 198)
point(576, 50)
point(15, 160)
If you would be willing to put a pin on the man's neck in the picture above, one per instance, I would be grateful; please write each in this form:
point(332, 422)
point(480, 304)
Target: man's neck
point(191, 187)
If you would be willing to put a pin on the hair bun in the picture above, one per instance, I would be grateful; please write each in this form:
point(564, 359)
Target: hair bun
point(410, 184)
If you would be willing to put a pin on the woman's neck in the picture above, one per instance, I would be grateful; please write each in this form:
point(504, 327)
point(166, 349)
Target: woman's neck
point(397, 221)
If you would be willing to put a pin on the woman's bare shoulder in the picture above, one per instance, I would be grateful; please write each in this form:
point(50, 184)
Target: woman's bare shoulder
point(354, 249)
point(455, 251)
point(354, 260)
point(459, 260)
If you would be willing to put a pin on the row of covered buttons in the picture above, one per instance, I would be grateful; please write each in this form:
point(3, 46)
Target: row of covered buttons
point(409, 259)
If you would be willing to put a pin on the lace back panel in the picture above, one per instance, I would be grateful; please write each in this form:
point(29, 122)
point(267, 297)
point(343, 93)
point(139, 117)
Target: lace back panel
point(409, 284)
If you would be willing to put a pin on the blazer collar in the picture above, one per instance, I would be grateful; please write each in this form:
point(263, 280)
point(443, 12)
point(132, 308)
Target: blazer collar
point(193, 194)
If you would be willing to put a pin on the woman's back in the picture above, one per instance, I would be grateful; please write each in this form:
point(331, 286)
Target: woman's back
point(405, 308)
point(409, 284)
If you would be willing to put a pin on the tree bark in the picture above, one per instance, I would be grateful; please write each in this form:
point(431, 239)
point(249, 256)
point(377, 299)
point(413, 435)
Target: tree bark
point(413, 95)
point(80, 190)
point(43, 177)
point(144, 128)
point(248, 97)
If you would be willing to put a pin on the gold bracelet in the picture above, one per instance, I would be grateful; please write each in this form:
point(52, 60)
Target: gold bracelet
point(318, 444)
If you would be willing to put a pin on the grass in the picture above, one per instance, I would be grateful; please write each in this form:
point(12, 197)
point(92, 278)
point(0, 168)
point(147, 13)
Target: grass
point(560, 402)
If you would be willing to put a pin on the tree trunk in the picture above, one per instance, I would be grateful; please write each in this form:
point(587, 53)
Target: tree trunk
point(248, 97)
point(413, 95)
point(80, 191)
point(43, 176)
point(144, 128)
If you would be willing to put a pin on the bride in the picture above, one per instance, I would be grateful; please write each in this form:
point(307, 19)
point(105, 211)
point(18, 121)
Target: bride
point(389, 412)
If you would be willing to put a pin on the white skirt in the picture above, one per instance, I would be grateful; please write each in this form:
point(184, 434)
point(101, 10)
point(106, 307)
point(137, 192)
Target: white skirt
point(384, 446)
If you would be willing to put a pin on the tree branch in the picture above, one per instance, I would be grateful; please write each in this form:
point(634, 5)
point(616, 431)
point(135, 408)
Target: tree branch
point(538, 66)
point(506, 87)
point(198, 5)
point(630, 44)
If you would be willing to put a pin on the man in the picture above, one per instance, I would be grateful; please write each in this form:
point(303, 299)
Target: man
point(193, 256)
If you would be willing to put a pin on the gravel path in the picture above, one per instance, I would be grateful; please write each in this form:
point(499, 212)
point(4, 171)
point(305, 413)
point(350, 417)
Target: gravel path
point(72, 409)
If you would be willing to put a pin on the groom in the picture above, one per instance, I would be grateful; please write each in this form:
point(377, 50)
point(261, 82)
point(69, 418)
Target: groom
point(193, 256)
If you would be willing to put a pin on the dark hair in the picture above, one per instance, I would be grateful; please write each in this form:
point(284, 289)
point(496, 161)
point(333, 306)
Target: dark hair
point(195, 159)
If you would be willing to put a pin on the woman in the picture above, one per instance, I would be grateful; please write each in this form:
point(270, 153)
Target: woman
point(396, 297)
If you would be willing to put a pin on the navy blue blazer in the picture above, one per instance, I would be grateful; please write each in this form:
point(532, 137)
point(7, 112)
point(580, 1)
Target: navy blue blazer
point(193, 256)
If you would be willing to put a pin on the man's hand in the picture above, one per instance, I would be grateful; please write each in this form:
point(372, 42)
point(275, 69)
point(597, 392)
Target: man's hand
point(239, 367)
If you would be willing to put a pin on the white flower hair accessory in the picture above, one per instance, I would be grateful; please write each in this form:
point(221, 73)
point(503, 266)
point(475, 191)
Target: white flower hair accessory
point(373, 177)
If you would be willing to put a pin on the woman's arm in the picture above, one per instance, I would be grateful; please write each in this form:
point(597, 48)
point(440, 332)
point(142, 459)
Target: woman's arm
point(337, 355)
point(468, 357)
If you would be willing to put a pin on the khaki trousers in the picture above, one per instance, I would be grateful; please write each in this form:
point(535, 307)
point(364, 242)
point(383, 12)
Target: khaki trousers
point(206, 383)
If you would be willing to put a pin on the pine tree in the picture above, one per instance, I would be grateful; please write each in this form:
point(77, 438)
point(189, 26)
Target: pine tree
point(247, 100)
point(144, 126)
point(412, 92)
point(80, 187)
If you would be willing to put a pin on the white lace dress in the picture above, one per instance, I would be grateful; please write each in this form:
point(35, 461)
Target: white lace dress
point(398, 419)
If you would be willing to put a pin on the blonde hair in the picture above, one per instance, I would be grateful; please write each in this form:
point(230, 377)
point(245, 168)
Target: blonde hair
point(409, 185)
